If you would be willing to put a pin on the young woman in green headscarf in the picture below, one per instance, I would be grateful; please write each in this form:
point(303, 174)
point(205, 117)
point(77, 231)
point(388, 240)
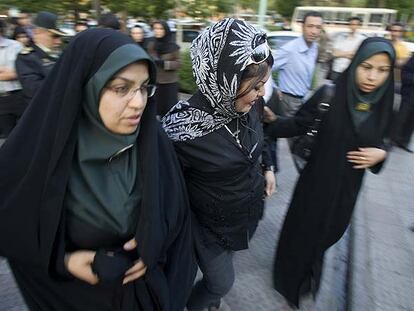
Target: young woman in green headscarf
point(93, 208)
point(351, 138)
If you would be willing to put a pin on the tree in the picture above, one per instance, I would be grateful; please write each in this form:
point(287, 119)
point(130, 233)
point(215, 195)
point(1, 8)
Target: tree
point(286, 8)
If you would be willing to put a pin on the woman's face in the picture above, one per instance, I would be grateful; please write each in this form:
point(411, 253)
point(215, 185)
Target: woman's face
point(23, 39)
point(124, 98)
point(245, 103)
point(373, 72)
point(159, 31)
point(137, 34)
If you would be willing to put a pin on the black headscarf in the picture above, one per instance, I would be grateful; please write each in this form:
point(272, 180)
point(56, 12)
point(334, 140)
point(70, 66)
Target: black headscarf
point(359, 103)
point(34, 168)
point(18, 31)
point(165, 44)
point(382, 98)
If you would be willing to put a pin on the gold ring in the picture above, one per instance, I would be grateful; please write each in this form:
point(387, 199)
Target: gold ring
point(362, 158)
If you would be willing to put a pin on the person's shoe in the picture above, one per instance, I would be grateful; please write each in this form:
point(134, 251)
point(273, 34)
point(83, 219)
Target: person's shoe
point(403, 147)
point(406, 149)
point(223, 306)
point(412, 227)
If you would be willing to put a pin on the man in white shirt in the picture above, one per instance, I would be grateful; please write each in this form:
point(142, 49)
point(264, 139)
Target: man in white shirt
point(11, 100)
point(345, 46)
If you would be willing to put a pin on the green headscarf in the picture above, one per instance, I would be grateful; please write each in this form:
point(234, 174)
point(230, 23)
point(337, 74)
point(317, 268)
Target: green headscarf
point(359, 103)
point(104, 187)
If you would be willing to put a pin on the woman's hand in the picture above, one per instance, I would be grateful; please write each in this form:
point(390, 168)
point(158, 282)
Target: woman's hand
point(366, 157)
point(138, 269)
point(270, 183)
point(268, 115)
point(79, 264)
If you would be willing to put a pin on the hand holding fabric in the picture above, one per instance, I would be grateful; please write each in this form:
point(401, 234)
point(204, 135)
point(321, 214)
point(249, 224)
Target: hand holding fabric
point(79, 264)
point(138, 269)
point(366, 157)
point(279, 94)
point(268, 115)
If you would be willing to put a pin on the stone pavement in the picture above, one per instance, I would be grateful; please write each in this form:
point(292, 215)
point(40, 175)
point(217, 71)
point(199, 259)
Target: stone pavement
point(382, 252)
point(371, 268)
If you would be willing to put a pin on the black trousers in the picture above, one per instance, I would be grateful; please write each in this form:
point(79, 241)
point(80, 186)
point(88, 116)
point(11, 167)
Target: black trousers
point(405, 121)
point(12, 106)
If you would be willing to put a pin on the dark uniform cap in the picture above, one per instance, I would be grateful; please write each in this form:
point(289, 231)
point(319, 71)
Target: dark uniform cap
point(48, 20)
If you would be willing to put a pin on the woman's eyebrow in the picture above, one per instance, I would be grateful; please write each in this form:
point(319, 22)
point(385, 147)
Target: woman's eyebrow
point(123, 78)
point(128, 80)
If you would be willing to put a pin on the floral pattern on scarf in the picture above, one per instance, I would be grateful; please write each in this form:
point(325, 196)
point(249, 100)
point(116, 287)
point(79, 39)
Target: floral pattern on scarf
point(218, 55)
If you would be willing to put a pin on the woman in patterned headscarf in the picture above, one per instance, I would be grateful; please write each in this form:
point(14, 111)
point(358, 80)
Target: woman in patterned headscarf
point(219, 139)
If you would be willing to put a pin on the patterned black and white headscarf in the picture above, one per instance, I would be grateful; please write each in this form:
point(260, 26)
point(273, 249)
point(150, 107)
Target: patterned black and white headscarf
point(219, 55)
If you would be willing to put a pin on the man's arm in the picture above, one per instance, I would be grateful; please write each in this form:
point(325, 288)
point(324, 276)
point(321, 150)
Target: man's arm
point(7, 74)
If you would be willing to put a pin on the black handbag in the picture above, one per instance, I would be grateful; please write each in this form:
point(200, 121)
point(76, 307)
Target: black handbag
point(302, 146)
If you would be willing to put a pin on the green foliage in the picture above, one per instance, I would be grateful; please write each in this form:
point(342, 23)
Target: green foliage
point(185, 74)
point(273, 28)
point(286, 8)
point(60, 7)
point(143, 8)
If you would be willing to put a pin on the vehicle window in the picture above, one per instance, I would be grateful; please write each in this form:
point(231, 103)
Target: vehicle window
point(189, 35)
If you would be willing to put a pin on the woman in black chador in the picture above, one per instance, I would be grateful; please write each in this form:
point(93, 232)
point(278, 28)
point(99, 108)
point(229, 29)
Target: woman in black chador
point(93, 209)
point(166, 54)
point(218, 137)
point(350, 140)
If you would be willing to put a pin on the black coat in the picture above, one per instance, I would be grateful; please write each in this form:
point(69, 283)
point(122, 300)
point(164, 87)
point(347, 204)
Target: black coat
point(33, 177)
point(407, 78)
point(327, 189)
point(32, 66)
point(225, 183)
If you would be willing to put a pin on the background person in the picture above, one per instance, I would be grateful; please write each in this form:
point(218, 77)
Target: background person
point(405, 119)
point(166, 54)
point(12, 103)
point(345, 46)
point(80, 26)
point(34, 63)
point(109, 20)
point(138, 35)
point(20, 35)
point(295, 63)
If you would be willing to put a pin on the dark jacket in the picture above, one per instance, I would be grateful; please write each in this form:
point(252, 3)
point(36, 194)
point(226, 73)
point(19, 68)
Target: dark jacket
point(32, 66)
point(225, 183)
point(407, 78)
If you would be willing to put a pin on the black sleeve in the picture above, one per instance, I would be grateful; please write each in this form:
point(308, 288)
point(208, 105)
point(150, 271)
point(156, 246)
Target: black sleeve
point(407, 73)
point(184, 163)
point(29, 74)
point(297, 124)
point(266, 158)
point(267, 163)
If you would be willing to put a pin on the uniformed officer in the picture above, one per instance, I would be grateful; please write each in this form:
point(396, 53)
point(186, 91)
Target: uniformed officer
point(35, 62)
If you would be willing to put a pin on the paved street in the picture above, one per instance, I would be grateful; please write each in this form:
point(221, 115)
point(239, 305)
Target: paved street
point(371, 268)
